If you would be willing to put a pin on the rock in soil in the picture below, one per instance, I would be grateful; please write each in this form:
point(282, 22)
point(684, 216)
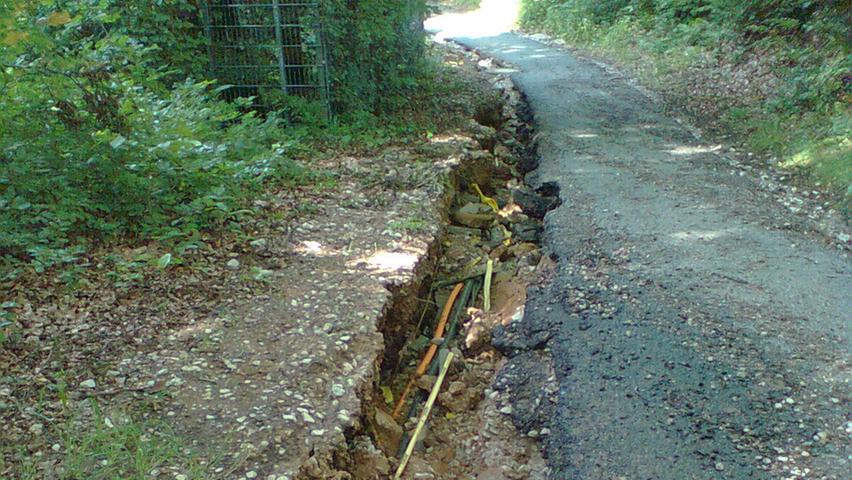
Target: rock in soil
point(548, 189)
point(419, 469)
point(497, 234)
point(475, 215)
point(481, 169)
point(484, 135)
point(532, 203)
point(387, 430)
point(528, 231)
point(459, 397)
point(528, 163)
point(370, 462)
point(518, 250)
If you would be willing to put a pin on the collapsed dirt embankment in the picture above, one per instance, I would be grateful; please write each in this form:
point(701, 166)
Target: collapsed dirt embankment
point(473, 279)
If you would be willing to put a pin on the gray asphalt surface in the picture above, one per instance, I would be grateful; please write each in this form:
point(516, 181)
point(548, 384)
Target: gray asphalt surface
point(688, 332)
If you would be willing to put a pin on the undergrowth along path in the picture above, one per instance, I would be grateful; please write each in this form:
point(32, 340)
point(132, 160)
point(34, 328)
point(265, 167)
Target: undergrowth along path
point(689, 313)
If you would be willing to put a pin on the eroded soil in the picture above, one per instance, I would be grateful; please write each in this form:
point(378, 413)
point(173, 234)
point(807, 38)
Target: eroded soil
point(469, 434)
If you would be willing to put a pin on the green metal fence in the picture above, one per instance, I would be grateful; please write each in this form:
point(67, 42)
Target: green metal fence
point(266, 48)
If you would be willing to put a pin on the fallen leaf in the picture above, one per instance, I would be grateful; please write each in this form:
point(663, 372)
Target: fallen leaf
point(164, 261)
point(12, 38)
point(56, 19)
point(387, 394)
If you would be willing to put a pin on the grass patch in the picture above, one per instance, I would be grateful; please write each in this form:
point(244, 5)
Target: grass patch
point(412, 224)
point(828, 162)
point(94, 445)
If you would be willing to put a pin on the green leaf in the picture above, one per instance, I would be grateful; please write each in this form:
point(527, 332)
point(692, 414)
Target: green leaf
point(164, 261)
point(21, 204)
point(387, 394)
point(117, 141)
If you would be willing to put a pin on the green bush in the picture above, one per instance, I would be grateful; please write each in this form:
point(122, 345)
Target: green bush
point(106, 137)
point(749, 18)
point(376, 52)
point(96, 146)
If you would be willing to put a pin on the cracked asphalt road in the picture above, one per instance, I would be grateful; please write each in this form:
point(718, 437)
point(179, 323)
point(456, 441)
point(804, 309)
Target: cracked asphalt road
point(688, 332)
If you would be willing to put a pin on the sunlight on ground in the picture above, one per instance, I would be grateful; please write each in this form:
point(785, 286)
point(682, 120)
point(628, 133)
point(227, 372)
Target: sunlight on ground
point(445, 138)
point(492, 18)
point(830, 161)
point(584, 135)
point(703, 234)
point(385, 261)
point(380, 261)
point(311, 248)
point(196, 330)
point(688, 150)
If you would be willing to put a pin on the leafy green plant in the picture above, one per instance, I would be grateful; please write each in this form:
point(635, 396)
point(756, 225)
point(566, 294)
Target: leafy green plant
point(7, 318)
point(105, 446)
point(377, 52)
point(411, 224)
point(112, 151)
point(107, 139)
point(458, 5)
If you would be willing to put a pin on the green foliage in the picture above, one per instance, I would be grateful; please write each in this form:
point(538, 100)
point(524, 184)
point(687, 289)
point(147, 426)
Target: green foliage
point(7, 324)
point(119, 446)
point(107, 138)
point(376, 52)
point(753, 18)
point(411, 224)
point(805, 121)
point(170, 27)
point(97, 145)
point(106, 446)
point(458, 5)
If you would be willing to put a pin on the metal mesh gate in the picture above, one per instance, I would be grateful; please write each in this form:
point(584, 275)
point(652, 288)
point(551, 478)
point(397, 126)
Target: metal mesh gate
point(264, 48)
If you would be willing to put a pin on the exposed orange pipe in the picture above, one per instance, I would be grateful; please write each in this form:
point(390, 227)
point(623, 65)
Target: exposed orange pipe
point(430, 353)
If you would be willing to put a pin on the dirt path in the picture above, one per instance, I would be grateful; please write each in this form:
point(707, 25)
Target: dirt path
point(692, 332)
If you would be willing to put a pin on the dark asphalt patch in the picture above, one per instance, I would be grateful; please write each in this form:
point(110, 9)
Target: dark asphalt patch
point(683, 336)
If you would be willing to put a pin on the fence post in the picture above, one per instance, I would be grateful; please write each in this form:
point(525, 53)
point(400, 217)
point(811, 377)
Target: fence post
point(279, 51)
point(207, 18)
point(322, 63)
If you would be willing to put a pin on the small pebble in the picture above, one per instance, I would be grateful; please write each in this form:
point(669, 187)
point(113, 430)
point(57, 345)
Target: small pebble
point(338, 390)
